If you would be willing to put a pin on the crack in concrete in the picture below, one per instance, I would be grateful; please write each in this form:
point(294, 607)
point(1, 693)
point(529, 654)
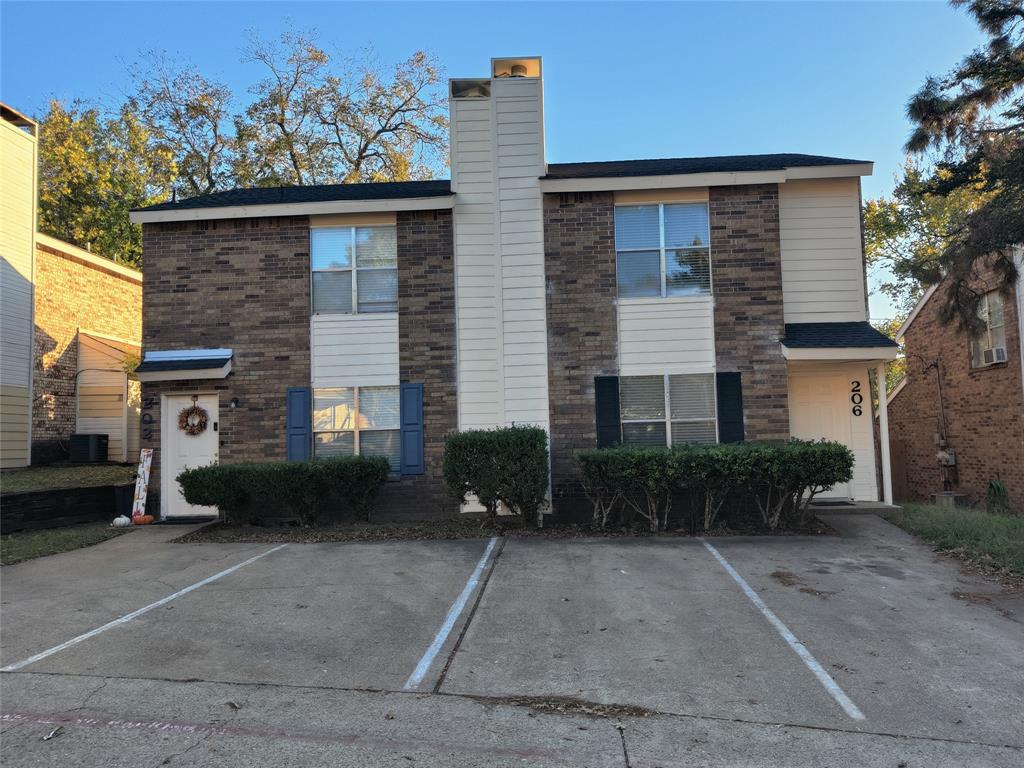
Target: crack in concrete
point(171, 758)
point(625, 752)
point(505, 701)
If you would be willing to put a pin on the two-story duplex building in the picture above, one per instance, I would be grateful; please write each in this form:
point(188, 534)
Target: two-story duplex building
point(645, 302)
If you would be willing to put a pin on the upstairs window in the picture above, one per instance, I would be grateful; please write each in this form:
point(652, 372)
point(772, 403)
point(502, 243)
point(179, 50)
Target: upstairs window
point(355, 269)
point(361, 421)
point(662, 250)
point(668, 410)
point(989, 346)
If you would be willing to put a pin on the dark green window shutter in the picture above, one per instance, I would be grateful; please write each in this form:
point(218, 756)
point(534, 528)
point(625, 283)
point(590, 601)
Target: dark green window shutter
point(606, 398)
point(730, 407)
point(411, 419)
point(298, 418)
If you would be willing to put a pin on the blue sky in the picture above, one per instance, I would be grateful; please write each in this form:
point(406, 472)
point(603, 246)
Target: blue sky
point(622, 80)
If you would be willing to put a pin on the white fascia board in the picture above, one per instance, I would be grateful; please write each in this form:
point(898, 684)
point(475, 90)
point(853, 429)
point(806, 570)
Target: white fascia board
point(839, 353)
point(683, 180)
point(900, 386)
point(87, 258)
point(915, 312)
point(294, 209)
point(185, 374)
point(668, 181)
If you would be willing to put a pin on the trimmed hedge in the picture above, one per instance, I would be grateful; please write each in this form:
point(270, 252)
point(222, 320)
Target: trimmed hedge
point(781, 479)
point(312, 491)
point(504, 466)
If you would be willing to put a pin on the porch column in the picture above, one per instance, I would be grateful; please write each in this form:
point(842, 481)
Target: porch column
point(883, 428)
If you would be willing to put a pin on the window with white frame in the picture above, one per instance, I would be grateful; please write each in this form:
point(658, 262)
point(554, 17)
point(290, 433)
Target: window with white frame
point(662, 250)
point(355, 269)
point(668, 410)
point(985, 344)
point(357, 420)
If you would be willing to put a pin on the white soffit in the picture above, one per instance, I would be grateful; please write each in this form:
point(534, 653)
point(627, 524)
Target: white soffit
point(840, 353)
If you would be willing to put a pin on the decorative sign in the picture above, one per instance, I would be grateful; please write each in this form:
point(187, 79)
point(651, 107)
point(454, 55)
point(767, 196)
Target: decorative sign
point(142, 482)
point(856, 398)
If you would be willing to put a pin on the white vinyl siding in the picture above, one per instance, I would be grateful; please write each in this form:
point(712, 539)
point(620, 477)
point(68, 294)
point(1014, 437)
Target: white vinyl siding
point(668, 409)
point(104, 396)
point(663, 250)
point(822, 255)
point(355, 350)
point(991, 313)
point(674, 334)
point(357, 421)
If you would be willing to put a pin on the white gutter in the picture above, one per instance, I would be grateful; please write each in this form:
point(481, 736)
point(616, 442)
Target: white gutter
point(294, 209)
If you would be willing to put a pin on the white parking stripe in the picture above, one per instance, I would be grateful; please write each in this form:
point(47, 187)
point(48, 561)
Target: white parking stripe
point(449, 622)
point(799, 648)
point(135, 614)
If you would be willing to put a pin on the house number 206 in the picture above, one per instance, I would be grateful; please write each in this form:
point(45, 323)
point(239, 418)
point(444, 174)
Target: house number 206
point(856, 398)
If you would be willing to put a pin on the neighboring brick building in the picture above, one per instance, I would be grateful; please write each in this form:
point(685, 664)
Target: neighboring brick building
point(952, 393)
point(88, 320)
point(651, 302)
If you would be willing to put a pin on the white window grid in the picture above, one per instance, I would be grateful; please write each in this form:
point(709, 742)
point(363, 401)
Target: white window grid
point(668, 420)
point(355, 269)
point(356, 429)
point(661, 246)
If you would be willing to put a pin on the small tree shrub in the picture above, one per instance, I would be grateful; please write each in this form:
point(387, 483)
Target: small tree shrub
point(504, 466)
point(311, 491)
point(780, 478)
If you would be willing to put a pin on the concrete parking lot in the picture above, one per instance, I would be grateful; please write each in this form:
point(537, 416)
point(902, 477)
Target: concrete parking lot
point(863, 648)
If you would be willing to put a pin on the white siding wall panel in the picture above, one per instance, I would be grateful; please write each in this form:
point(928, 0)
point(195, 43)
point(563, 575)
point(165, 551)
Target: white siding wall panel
point(355, 350)
point(822, 257)
point(670, 335)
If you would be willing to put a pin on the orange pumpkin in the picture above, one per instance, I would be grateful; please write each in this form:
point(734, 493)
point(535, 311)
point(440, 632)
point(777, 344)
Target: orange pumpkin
point(143, 519)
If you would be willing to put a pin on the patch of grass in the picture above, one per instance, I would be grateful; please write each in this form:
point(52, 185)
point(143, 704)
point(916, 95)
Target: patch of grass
point(26, 545)
point(972, 534)
point(50, 478)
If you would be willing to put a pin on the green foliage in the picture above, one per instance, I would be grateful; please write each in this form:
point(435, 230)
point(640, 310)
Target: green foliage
point(312, 491)
point(973, 120)
point(780, 478)
point(990, 538)
point(997, 497)
point(93, 169)
point(504, 466)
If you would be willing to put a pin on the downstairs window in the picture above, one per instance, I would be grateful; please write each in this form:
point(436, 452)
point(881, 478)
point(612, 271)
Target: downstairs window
point(668, 410)
point(361, 421)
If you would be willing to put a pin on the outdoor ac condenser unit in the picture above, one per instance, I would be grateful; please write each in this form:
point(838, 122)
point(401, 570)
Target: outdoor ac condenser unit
point(994, 355)
point(88, 449)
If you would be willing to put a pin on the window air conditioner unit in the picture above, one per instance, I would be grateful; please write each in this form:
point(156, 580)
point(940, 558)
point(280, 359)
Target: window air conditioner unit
point(88, 449)
point(994, 355)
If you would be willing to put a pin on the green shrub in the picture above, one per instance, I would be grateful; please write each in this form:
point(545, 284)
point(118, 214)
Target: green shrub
point(308, 490)
point(780, 478)
point(504, 466)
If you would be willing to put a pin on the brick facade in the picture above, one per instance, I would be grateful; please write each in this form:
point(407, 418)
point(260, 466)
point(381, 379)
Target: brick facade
point(71, 294)
point(426, 354)
point(983, 407)
point(236, 283)
point(579, 253)
point(746, 265)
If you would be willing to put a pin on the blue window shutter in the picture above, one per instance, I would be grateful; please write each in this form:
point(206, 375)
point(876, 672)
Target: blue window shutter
point(606, 402)
point(299, 410)
point(413, 462)
point(730, 407)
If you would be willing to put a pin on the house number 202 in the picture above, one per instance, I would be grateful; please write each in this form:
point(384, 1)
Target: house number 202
point(856, 398)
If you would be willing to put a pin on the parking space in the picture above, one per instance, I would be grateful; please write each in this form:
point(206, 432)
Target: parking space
point(773, 632)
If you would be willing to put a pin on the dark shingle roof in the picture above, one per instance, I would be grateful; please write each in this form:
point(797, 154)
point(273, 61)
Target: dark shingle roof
point(319, 193)
point(673, 165)
point(859, 334)
point(182, 364)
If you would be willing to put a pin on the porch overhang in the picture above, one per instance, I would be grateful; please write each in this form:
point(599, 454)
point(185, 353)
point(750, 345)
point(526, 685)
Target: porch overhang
point(848, 341)
point(184, 365)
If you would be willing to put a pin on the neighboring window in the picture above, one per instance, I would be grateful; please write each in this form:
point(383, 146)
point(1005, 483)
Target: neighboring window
point(662, 250)
point(354, 267)
point(357, 420)
point(668, 410)
point(985, 348)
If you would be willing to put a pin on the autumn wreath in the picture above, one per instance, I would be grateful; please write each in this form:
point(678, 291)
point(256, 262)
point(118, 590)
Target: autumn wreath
point(193, 420)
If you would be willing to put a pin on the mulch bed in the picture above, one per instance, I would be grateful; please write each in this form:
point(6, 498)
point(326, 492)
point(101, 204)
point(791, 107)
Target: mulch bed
point(440, 529)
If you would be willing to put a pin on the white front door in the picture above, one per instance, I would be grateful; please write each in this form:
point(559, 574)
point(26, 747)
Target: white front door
point(181, 450)
point(817, 410)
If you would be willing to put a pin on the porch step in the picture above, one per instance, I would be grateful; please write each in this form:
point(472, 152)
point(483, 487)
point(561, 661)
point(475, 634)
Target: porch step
point(851, 507)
